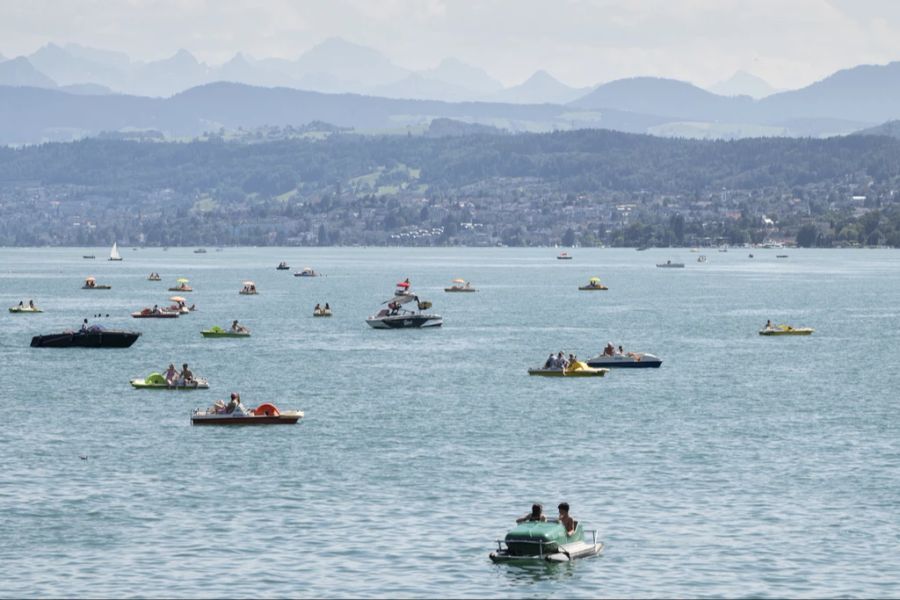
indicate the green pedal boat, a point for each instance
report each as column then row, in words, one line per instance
column 155, row 381
column 218, row 332
column 547, row 541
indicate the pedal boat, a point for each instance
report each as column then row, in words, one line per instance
column 218, row 332
column 670, row 265
column 264, row 414
column 532, row 541
column 155, row 381
column 564, row 256
column 593, row 285
column 91, row 284
column 629, row 360
column 94, row 337
column 153, row 277
column 182, row 286
column 306, row 272
column 282, row 266
column 25, row 309
column 460, row 285
column 322, row 312
column 249, row 289
column 579, row 369
column 786, row 330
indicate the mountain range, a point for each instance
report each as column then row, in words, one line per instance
column 71, row 91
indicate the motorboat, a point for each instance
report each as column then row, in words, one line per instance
column 95, row 336
column 218, row 332
column 28, row 309
column 90, row 283
column 786, row 330
column 156, row 381
column 545, row 541
column 320, row 311
column 628, row 360
column 156, row 313
column 576, row 369
column 460, row 285
column 593, row 285
column 182, row 285
column 249, row 289
column 563, row 256
column 282, row 266
column 395, row 316
column 670, row 265
column 307, row 272
column 264, row 414
column 154, row 277
column 114, row 253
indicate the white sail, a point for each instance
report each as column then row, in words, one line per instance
column 114, row 253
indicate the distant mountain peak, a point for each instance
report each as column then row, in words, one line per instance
column 743, row 83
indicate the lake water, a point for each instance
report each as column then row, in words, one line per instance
column 746, row 465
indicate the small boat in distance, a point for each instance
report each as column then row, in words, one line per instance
column 282, row 266
column 592, row 285
column 29, row 308
column 786, row 330
column 249, row 289
column 781, row 256
column 154, row 277
column 307, row 272
column 90, row 283
column 670, row 265
column 156, row 381
column 156, row 313
column 576, row 369
column 460, row 285
column 322, row 311
column 182, row 285
column 200, row 251
column 218, row 332
column 701, row 258
column 89, row 256
column 563, row 256
column 114, row 253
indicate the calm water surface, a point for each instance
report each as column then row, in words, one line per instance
column 744, row 466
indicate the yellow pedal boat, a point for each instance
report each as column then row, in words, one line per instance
column 786, row 330
column 579, row 369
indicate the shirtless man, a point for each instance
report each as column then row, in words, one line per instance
column 186, row 376
column 564, row 518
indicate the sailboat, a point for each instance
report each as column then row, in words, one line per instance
column 114, row 253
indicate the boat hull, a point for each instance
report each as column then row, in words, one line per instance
column 141, row 384
column 160, row 315
column 26, row 310
column 593, row 288
column 288, row 418
column 800, row 331
column 224, row 334
column 565, row 553
column 453, row 289
column 418, row 321
column 96, row 287
column 646, row 361
column 99, row 339
column 592, row 372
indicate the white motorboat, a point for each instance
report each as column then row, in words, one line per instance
column 395, row 316
column 628, row 360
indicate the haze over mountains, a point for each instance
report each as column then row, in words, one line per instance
column 71, row 91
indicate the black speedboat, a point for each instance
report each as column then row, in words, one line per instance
column 93, row 337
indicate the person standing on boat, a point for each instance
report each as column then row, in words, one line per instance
column 564, row 518
column 536, row 514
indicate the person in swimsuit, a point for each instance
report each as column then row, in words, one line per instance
column 564, row 518
column 536, row 514
column 171, row 375
column 186, row 376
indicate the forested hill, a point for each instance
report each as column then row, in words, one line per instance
column 579, row 161
column 585, row 187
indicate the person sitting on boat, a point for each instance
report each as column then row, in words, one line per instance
column 769, row 324
column 21, row 304
column 193, row 307
column 327, row 307
column 317, row 309
column 620, row 350
column 187, row 377
column 551, row 362
column 171, row 375
column 234, row 403
column 155, row 309
column 571, row 360
column 609, row 350
column 536, row 514
column 561, row 362
column 564, row 518
column 394, row 307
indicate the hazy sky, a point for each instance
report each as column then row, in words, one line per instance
column 582, row 42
